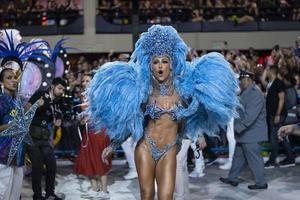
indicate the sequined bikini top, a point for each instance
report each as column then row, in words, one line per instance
column 155, row 111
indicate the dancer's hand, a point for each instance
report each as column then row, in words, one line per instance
column 201, row 142
column 105, row 154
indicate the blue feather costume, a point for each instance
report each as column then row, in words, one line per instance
column 118, row 89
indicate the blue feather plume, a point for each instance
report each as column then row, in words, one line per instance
column 58, row 47
column 21, row 51
column 114, row 100
column 214, row 87
column 56, row 50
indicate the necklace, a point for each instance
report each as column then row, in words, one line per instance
column 165, row 88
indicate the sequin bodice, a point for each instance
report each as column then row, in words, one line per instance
column 155, row 111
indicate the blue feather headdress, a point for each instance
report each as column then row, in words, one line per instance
column 51, row 54
column 159, row 41
column 19, row 53
column 59, row 48
column 59, row 56
column 44, row 66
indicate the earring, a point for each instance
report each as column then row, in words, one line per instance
column 2, row 89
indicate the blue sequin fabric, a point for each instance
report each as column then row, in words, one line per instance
column 156, row 152
column 159, row 41
column 12, row 139
column 163, row 89
column 155, row 111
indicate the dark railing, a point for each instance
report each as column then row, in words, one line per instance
column 211, row 19
column 175, row 15
column 102, row 26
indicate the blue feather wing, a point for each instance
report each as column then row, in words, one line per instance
column 114, row 100
column 214, row 87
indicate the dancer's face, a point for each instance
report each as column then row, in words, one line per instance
column 161, row 68
column 9, row 81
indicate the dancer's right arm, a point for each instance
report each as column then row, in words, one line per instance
column 114, row 144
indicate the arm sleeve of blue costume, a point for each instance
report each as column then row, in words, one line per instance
column 114, row 101
column 214, row 88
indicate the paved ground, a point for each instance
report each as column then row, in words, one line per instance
column 284, row 184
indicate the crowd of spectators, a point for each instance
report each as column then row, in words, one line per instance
column 62, row 12
column 166, row 11
column 39, row 12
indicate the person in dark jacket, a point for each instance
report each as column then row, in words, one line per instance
column 276, row 114
column 41, row 152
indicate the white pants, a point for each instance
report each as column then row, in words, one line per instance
column 11, row 179
column 199, row 159
column 182, row 176
column 129, row 147
column 231, row 139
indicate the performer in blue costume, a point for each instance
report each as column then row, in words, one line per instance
column 158, row 97
column 14, row 121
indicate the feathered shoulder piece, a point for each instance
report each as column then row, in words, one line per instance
column 114, row 100
column 213, row 86
column 43, row 66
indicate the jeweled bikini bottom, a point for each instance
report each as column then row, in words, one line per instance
column 156, row 152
